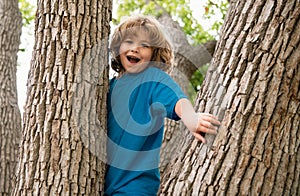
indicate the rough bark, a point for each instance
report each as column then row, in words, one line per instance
column 10, row 118
column 63, row 144
column 252, row 86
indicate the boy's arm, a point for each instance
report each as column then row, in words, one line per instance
column 197, row 123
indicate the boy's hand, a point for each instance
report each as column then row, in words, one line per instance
column 197, row 123
column 205, row 123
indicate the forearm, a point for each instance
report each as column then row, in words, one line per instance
column 186, row 112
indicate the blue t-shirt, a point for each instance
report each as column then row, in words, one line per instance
column 137, row 106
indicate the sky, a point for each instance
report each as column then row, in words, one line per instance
column 27, row 42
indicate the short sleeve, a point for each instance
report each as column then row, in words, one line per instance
column 167, row 92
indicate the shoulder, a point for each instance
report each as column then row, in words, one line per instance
column 156, row 70
column 156, row 74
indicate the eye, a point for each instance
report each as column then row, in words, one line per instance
column 145, row 45
column 128, row 41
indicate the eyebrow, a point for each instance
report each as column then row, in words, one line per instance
column 133, row 37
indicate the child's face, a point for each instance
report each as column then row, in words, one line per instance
column 135, row 52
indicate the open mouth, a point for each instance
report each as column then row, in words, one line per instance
column 133, row 59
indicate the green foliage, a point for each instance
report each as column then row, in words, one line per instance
column 218, row 8
column 182, row 13
column 27, row 10
column 198, row 77
column 196, row 81
column 179, row 10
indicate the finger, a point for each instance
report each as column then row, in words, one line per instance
column 215, row 121
column 199, row 137
column 203, row 129
column 207, row 127
column 205, row 123
column 211, row 118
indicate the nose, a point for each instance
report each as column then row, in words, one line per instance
column 134, row 48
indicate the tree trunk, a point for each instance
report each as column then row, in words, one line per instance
column 10, row 118
column 253, row 86
column 63, row 144
column 187, row 59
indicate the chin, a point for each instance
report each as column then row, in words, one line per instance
column 137, row 70
column 134, row 70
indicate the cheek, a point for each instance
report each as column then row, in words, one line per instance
column 150, row 54
column 122, row 58
column 122, row 49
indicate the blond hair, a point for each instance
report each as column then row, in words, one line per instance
column 162, row 51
